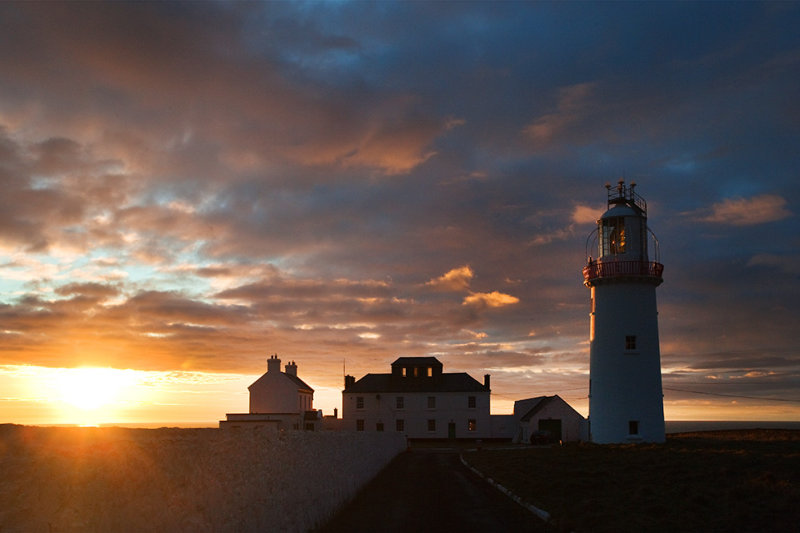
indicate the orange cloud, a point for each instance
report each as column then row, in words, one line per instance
column 584, row 214
column 749, row 211
column 490, row 299
column 455, row 280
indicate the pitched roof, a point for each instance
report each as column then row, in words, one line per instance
column 421, row 361
column 537, row 404
column 301, row 385
column 450, row 382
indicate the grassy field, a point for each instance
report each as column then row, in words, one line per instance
column 706, row 481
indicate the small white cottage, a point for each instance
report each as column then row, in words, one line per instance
column 279, row 400
column 550, row 418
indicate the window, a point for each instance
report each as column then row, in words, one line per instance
column 359, row 402
column 416, row 371
column 400, row 402
column 633, row 427
column 430, row 371
column 630, row 342
column 431, row 402
column 379, row 426
column 400, row 424
column 309, row 426
column 360, row 425
column 404, row 372
column 472, row 424
column 431, row 424
column 471, row 402
column 613, row 238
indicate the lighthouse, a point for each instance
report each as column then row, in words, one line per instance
column 625, row 395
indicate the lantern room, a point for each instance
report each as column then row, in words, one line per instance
column 622, row 239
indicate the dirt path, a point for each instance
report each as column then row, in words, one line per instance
column 428, row 491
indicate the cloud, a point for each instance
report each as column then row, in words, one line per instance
column 583, row 214
column 456, row 279
column 748, row 211
column 572, row 105
column 490, row 299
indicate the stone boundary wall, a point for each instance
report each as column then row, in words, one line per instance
column 116, row 479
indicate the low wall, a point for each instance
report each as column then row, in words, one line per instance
column 113, row 479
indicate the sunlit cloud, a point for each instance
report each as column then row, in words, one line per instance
column 583, row 214
column 490, row 299
column 457, row 279
column 748, row 211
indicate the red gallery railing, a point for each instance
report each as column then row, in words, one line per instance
column 620, row 269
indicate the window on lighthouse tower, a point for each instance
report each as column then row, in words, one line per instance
column 613, row 241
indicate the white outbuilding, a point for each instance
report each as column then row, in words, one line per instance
column 548, row 419
column 278, row 400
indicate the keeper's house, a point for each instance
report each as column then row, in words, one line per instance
column 419, row 400
column 278, row 400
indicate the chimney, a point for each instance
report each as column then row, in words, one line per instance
column 349, row 381
column 335, row 413
column 291, row 369
column 486, row 381
column 273, row 364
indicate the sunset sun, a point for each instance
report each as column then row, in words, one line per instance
column 92, row 390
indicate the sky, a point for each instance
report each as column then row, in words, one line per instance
column 188, row 188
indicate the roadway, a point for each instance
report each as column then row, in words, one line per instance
column 429, row 490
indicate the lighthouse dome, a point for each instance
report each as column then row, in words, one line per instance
column 622, row 210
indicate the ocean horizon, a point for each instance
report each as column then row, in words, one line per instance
column 672, row 426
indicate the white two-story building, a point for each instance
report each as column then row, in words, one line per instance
column 278, row 400
column 419, row 400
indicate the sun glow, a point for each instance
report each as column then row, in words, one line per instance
column 90, row 395
column 92, row 388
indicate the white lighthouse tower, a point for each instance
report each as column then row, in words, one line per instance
column 625, row 396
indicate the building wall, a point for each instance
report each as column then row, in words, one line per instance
column 573, row 427
column 450, row 407
column 276, row 393
column 625, row 385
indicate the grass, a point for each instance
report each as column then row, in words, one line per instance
column 706, row 481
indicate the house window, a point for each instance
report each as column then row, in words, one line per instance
column 400, row 424
column 630, row 342
column 430, row 371
column 471, row 402
column 431, row 402
column 309, row 426
column 379, row 426
column 633, row 427
column 416, row 371
column 359, row 424
column 472, row 424
column 404, row 372
column 400, row 402
column 431, row 424
column 359, row 402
